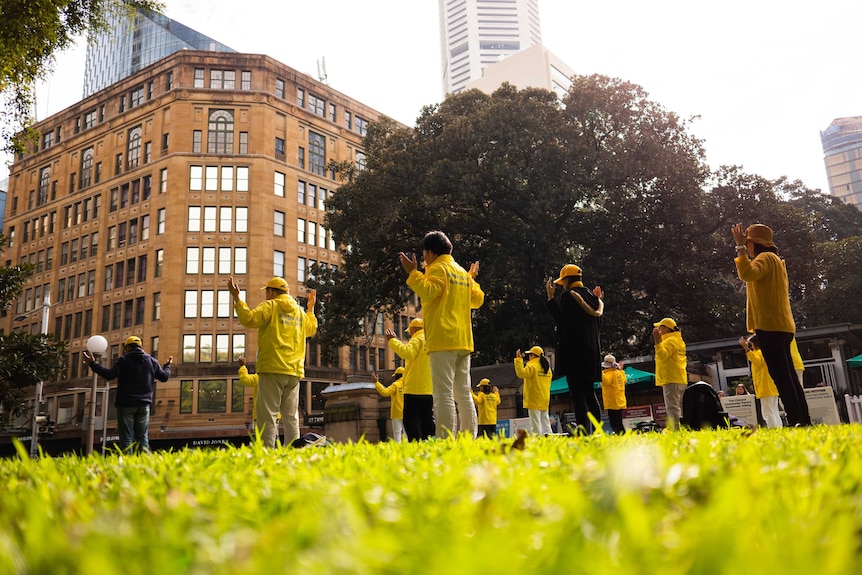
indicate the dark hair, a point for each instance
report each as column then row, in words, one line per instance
column 437, row 243
column 486, row 388
column 546, row 365
column 759, row 249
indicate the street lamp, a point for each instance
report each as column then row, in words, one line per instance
column 34, row 437
column 96, row 345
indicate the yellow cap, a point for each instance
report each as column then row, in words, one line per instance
column 276, row 283
column 569, row 270
column 483, row 381
column 415, row 323
column 133, row 340
column 536, row 350
column 667, row 322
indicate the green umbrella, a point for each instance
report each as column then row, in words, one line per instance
column 633, row 375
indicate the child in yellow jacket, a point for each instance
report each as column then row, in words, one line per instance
column 614, row 392
column 487, row 401
column 248, row 380
column 395, row 390
column 537, row 376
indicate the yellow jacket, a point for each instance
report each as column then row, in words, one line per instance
column 763, row 384
column 448, row 293
column 283, row 327
column 767, row 302
column 797, row 357
column 537, row 385
column 396, row 392
column 417, row 366
column 486, row 404
column 670, row 360
column 249, row 380
column 614, row 388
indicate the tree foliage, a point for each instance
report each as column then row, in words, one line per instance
column 32, row 34
column 606, row 178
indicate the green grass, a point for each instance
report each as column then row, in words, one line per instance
column 776, row 501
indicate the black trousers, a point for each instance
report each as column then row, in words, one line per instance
column 419, row 416
column 775, row 346
column 584, row 398
column 616, row 418
column 489, row 430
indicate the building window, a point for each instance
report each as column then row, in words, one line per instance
column 190, row 306
column 300, row 157
column 163, row 180
column 242, row 179
column 300, row 97
column 224, row 261
column 223, row 305
column 311, row 196
column 278, row 263
column 316, row 104
column 279, row 224
column 279, row 148
column 44, row 182
column 159, row 263
column 90, row 119
column 243, row 142
column 207, row 303
column 223, row 79
column 199, row 77
column 316, row 153
column 279, row 184
column 220, row 135
column 136, row 97
column 332, row 115
column 166, row 139
column 300, row 269
column 361, row 162
column 187, row 386
column 197, row 140
column 134, row 149
column 227, row 178
column 208, row 261
column 300, row 230
column 210, row 218
column 169, row 81
column 225, row 219
column 300, row 191
column 193, row 260
column 279, row 88
column 194, row 219
column 240, row 261
column 86, row 168
column 196, row 178
column 212, row 393
column 211, row 178
column 348, row 120
column 160, row 221
column 245, row 82
column 361, row 125
column 189, row 348
column 148, row 152
column 241, row 220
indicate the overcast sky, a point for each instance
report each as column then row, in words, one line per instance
column 765, row 77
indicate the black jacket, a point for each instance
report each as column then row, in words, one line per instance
column 135, row 372
column 578, row 315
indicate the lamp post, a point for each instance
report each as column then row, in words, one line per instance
column 96, row 345
column 43, row 329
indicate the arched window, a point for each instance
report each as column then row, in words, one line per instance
column 86, row 168
column 134, row 155
column 220, row 134
column 44, row 181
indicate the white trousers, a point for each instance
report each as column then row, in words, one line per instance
column 672, row 393
column 769, row 410
column 397, row 430
column 540, row 422
column 450, row 381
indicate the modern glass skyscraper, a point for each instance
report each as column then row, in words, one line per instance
column 130, row 45
column 477, row 33
column 842, row 153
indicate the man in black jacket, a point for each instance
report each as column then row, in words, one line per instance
column 135, row 372
column 578, row 315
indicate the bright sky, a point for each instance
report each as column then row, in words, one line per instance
column 765, row 76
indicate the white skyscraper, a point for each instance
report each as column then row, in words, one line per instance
column 477, row 33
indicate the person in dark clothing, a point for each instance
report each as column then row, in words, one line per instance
column 135, row 372
column 578, row 315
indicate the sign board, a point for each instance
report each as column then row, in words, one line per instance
column 821, row 405
column 659, row 413
column 636, row 414
column 518, row 423
column 742, row 407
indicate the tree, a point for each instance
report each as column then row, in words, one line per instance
column 25, row 359
column 523, row 185
column 32, row 33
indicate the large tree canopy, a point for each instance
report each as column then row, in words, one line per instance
column 32, row 33
column 525, row 183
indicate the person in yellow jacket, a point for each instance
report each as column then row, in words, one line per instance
column 764, row 388
column 448, row 294
column 418, row 401
column 614, row 392
column 536, row 373
column 670, row 367
column 768, row 314
column 798, row 364
column 247, row 379
column 394, row 390
column 283, row 326
column 487, row 401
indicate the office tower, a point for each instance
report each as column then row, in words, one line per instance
column 842, row 153
column 131, row 44
column 477, row 33
column 141, row 200
column 535, row 67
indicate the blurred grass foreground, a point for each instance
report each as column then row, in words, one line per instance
column 775, row 501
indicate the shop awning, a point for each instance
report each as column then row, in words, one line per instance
column 853, row 362
column 633, row 375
